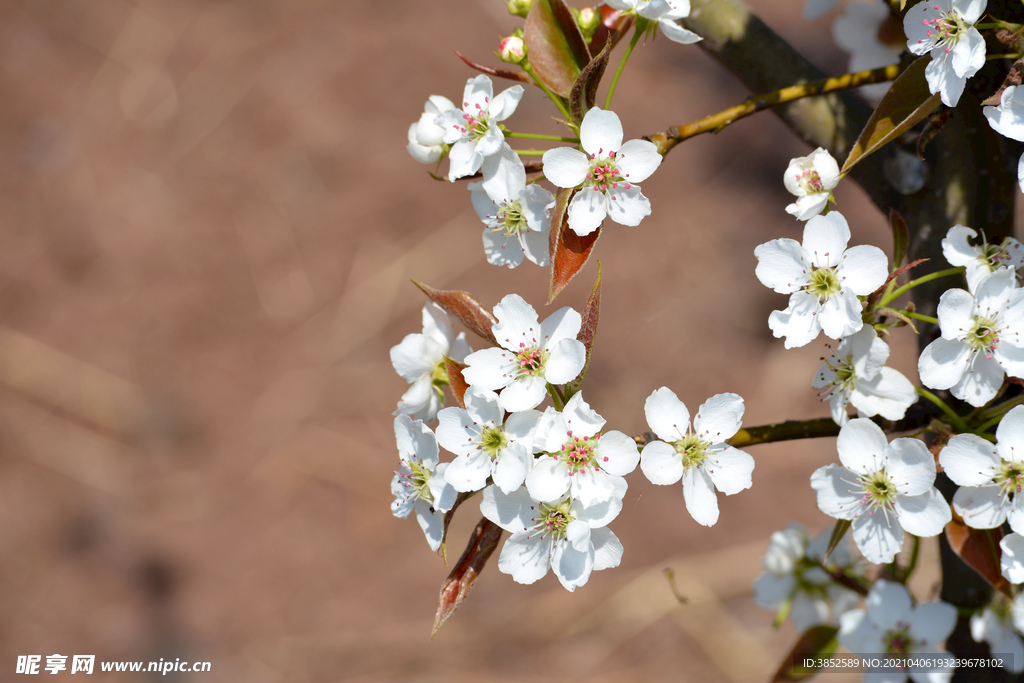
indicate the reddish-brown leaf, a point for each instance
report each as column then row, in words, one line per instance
column 569, row 251
column 613, row 25
column 588, row 331
column 907, row 102
column 979, row 548
column 900, row 237
column 464, row 308
column 520, row 76
column 455, row 379
column 817, row 642
column 584, row 90
column 557, row 49
column 877, row 294
column 455, row 588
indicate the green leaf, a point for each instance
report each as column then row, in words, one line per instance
column 482, row 544
column 817, row 642
column 838, row 532
column 591, row 315
column 907, row 102
column 569, row 251
column 464, row 308
column 584, row 90
column 556, row 47
column 900, row 237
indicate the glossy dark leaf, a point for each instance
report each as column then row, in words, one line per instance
column 841, row 527
column 907, row 102
column 455, row 379
column 455, row 588
column 900, row 237
column 511, row 75
column 588, row 331
column 979, row 548
column 584, row 90
column 556, row 47
column 569, row 251
column 817, row 642
column 464, row 308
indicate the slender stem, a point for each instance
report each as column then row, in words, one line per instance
column 622, row 62
column 1010, row 55
column 921, row 316
column 539, row 136
column 997, row 412
column 892, row 296
column 556, row 397
column 530, row 152
column 558, row 100
column 716, row 122
column 955, row 419
column 785, row 431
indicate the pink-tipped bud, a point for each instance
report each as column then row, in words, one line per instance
column 513, row 50
column 588, row 20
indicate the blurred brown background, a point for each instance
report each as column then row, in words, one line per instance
column 208, row 224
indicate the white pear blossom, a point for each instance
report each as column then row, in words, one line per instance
column 419, row 484
column 608, row 173
column 1008, row 119
column 531, row 354
column 892, row 627
column 698, row 455
column 1011, row 561
column 426, row 138
column 995, row 625
column 873, row 37
column 945, row 28
column 855, row 373
column 823, row 277
column 563, row 535
column 576, row 458
column 793, row 574
column 981, row 339
column 516, row 214
column 485, row 447
column 982, row 259
column 419, row 359
column 990, row 476
column 473, row 131
column 883, row 488
column 665, row 12
column 812, row 179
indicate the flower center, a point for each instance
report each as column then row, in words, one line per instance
column 984, row 336
column 824, row 283
column 553, row 518
column 415, row 480
column 946, row 29
column 879, row 490
column 510, row 219
column 995, row 255
column 578, row 453
column 845, row 374
column 693, row 450
column 810, row 182
column 1010, row 479
column 898, row 641
column 604, row 172
column 492, row 440
column 531, row 360
column 476, row 124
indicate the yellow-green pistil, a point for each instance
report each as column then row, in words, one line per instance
column 824, row 283
column 984, row 336
column 1010, row 479
column 578, row 453
column 693, row 450
column 510, row 219
column 492, row 440
column 415, row 481
column 879, row 489
column 553, row 518
column 531, row 360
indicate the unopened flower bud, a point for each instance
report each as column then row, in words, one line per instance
column 588, row 19
column 513, row 50
column 519, row 8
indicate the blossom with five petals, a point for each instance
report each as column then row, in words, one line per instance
column 473, row 131
column 698, row 455
column 982, row 339
column 665, row 12
column 945, row 28
column 982, row 259
column 812, row 179
column 419, row 484
column 419, row 359
column 883, row 488
column 515, row 213
column 607, row 171
column 532, row 354
column 563, row 535
column 824, row 278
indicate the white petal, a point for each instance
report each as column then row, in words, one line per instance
column 548, row 479
column 677, row 33
column 463, row 160
column 825, row 239
column 565, row 167
column 504, row 105
column 522, row 426
column 586, row 211
column 1012, row 560
column 490, row 369
column 943, row 363
column 730, row 469
column 578, row 534
column 942, row 79
column 979, row 385
column 637, row 160
column 807, row 611
column 837, row 497
column 924, row 515
column 580, row 418
column 840, row 315
column 879, row 536
column 719, row 418
column 1008, row 120
column 782, row 265
column 1010, row 358
column 888, row 604
column 525, row 557
column 808, row 206
column 626, row 205
column 981, row 507
column 667, row 415
column 699, row 495
column 970, row 460
column 617, row 453
column 661, row 464
column 502, row 249
column 504, row 175
column 607, row 549
column 513, row 511
column 517, row 324
column 601, row 132
column 911, row 466
column 456, row 431
column 572, row 566
column 535, row 247
column 564, row 323
column 862, row 446
column 956, row 246
column 969, row 54
column 956, row 313
column 421, row 401
column 888, row 394
column 468, row 472
column 799, row 322
column 523, row 393
column 933, row 622
column 771, row 590
column 601, row 512
column 432, row 523
column 1010, row 434
column 415, row 356
column 510, row 469
column 864, row 269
